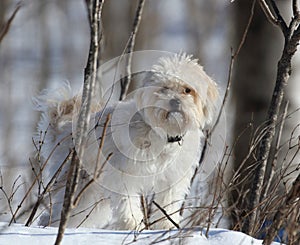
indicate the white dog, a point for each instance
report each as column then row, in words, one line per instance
column 152, row 145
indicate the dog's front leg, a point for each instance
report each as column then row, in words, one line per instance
column 126, row 214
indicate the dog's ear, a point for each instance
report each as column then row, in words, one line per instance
column 210, row 105
column 142, row 79
column 138, row 80
column 56, row 105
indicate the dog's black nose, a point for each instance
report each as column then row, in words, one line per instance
column 175, row 104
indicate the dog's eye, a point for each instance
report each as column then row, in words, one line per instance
column 164, row 90
column 187, row 90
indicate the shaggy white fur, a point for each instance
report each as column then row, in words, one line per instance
column 153, row 140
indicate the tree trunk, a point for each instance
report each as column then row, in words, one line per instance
column 252, row 89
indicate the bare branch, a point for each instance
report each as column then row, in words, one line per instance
column 94, row 10
column 296, row 8
column 268, row 12
column 130, row 46
column 166, row 214
column 78, row 197
column 283, row 211
column 282, row 77
column 36, row 179
column 46, row 189
column 268, row 180
column 281, row 22
column 231, row 65
column 145, row 211
column 276, row 18
column 4, row 29
column 96, row 172
column 244, row 34
column 8, row 199
column 89, row 213
column 70, row 189
column 234, row 55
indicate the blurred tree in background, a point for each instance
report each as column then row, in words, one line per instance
column 253, row 83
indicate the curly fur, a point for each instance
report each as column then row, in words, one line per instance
column 155, row 141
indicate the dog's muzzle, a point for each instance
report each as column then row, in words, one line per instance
column 175, row 110
column 175, row 104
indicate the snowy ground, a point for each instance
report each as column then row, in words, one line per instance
column 18, row 234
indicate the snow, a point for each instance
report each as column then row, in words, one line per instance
column 19, row 234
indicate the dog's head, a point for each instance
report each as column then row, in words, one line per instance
column 178, row 96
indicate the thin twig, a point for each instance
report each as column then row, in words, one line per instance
column 97, row 170
column 238, row 50
column 269, row 179
column 36, row 179
column 40, row 182
column 234, row 55
column 91, row 181
column 89, row 213
column 276, row 19
column 216, row 198
column 100, row 148
column 125, row 82
column 145, row 211
column 46, row 189
column 6, row 196
column 4, row 29
column 282, row 212
column 265, row 7
column 13, row 189
column 281, row 22
column 166, row 214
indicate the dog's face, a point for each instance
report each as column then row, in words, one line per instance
column 173, row 107
column 177, row 97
